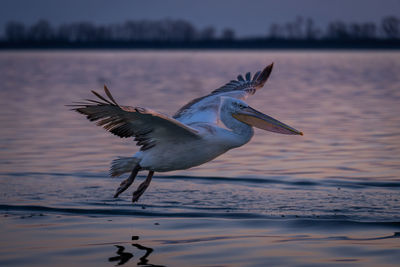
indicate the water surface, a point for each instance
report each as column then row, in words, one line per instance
column 330, row 196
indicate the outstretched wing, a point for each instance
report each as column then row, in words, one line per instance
column 147, row 126
column 205, row 109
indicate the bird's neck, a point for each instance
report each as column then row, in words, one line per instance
column 241, row 132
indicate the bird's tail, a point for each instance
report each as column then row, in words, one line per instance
column 122, row 165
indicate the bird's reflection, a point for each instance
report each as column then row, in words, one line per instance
column 123, row 256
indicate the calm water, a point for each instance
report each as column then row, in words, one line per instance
column 329, row 197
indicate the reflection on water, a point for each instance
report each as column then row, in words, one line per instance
column 124, row 256
column 100, row 241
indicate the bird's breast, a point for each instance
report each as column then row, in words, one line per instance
column 179, row 156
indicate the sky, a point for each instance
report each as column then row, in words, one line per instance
column 247, row 18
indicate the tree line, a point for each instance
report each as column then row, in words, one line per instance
column 300, row 30
column 142, row 30
column 306, row 29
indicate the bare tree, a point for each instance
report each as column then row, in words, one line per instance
column 337, row 30
column 290, row 30
column 298, row 28
column 41, row 31
column 228, row 34
column 275, row 31
column 391, row 27
column 207, row 33
column 311, row 32
column 15, row 31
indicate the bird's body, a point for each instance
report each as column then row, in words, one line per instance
column 216, row 141
column 200, row 131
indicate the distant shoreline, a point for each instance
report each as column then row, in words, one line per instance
column 194, row 46
column 302, row 33
column 244, row 44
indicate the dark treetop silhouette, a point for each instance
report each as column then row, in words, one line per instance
column 167, row 33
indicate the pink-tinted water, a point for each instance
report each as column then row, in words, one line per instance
column 347, row 104
column 331, row 196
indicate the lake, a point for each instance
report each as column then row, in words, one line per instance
column 330, row 197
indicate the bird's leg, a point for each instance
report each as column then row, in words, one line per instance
column 126, row 183
column 142, row 187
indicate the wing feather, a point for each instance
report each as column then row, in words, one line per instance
column 147, row 126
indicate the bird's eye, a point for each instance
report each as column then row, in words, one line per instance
column 241, row 106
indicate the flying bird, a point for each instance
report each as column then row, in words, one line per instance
column 199, row 131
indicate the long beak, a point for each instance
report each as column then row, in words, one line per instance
column 257, row 119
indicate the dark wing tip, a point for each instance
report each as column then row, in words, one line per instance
column 107, row 91
column 110, row 100
column 264, row 75
column 240, row 78
column 101, row 97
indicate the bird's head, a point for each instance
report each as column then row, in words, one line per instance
column 242, row 112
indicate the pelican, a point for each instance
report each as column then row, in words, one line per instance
column 199, row 131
